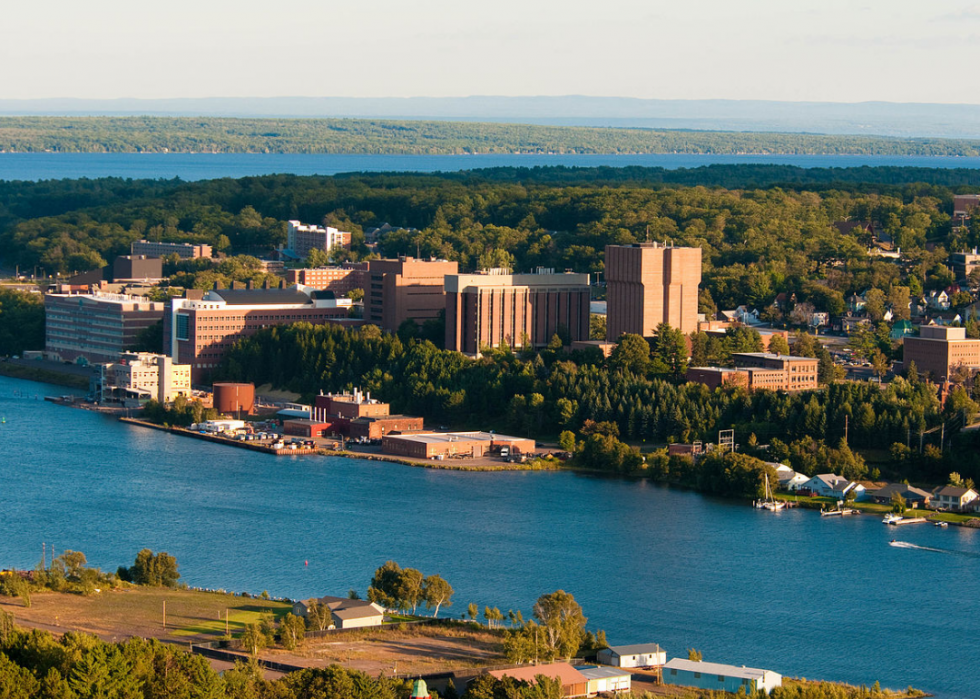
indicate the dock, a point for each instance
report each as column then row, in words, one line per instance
column 838, row 513
column 909, row 520
column 264, row 448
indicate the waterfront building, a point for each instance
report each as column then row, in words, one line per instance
column 433, row 445
column 573, row 682
column 346, row 613
column 182, row 250
column 199, row 328
column 96, row 327
column 938, row 351
column 719, row 677
column 142, row 376
column 405, row 289
column 830, row 485
column 301, row 238
column 497, row 308
column 648, row 284
column 357, row 416
column 778, row 372
column 914, row 497
column 606, row 680
column 951, row 497
column 636, row 655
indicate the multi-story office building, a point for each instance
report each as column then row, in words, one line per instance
column 963, row 206
column 301, row 238
column 198, row 331
column 496, row 307
column 137, row 268
column 339, row 280
column 183, row 250
column 96, row 327
column 938, row 351
column 405, row 289
column 648, row 284
column 965, row 262
column 142, row 376
column 778, row 372
column 357, row 415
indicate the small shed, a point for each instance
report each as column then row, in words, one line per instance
column 606, row 680
column 637, row 655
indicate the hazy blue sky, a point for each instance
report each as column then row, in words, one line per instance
column 828, row 50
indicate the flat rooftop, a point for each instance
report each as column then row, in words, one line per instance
column 446, row 437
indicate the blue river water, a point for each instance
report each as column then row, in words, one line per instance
column 202, row 166
column 792, row 592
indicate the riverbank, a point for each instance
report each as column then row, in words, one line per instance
column 30, row 370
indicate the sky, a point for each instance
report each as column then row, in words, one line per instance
column 797, row 50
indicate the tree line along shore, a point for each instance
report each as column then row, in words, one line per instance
column 146, row 134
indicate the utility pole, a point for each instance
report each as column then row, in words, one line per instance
column 44, row 557
column 164, row 613
column 845, row 428
column 227, row 628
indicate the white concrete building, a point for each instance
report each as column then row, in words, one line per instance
column 606, row 680
column 301, row 238
column 637, row 655
column 142, row 376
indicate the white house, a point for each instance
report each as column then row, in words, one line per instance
column 637, row 655
column 603, row 680
column 949, row 497
column 788, row 478
column 346, row 613
column 831, row 485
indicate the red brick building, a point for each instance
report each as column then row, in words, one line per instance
column 648, row 284
column 198, row 331
column 405, row 289
column 494, row 308
column 339, row 280
column 357, row 415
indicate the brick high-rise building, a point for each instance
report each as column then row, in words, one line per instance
column 489, row 309
column 339, row 280
column 648, row 284
column 97, row 327
column 157, row 249
column 937, row 351
column 405, row 289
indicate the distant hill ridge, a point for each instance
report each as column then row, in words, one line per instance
column 867, row 118
column 376, row 136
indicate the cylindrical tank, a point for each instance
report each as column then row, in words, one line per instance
column 230, row 398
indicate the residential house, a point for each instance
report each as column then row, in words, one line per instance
column 637, row 655
column 951, row 497
column 831, row 485
column 819, row 319
column 606, row 680
column 901, row 329
column 788, row 478
column 938, row 300
column 718, row 677
column 856, row 302
column 914, row 497
column 347, row 613
column 573, row 682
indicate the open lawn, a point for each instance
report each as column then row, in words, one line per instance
column 119, row 614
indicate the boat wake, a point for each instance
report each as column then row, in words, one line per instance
column 907, row 545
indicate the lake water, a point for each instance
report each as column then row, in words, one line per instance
column 199, row 166
column 792, row 592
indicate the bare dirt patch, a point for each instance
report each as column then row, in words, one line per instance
column 417, row 650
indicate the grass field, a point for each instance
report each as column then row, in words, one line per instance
column 120, row 614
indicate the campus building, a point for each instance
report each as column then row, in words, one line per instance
column 441, row 445
column 95, row 327
column 141, row 376
column 405, row 289
column 301, row 238
column 339, row 280
column 964, row 263
column 496, row 307
column 182, row 250
column 777, row 372
column 963, row 205
column 359, row 416
column 938, row 351
column 137, row 268
column 201, row 327
column 648, row 284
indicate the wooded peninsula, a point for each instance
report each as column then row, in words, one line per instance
column 145, row 134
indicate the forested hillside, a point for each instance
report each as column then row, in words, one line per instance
column 757, row 241
column 230, row 135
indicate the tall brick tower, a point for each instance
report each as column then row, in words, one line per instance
column 648, row 284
